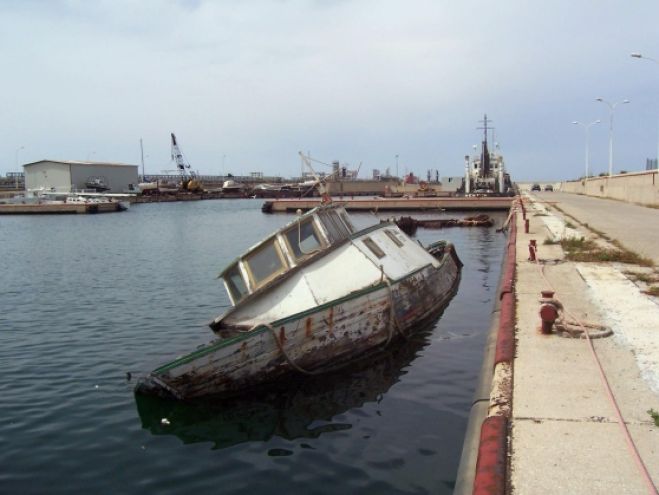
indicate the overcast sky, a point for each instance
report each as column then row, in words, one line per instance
column 247, row 84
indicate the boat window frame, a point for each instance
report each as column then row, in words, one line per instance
column 226, row 278
column 343, row 215
column 284, row 265
column 373, row 247
column 333, row 225
column 296, row 227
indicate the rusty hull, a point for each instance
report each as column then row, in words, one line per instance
column 321, row 339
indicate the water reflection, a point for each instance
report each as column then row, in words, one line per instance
column 302, row 407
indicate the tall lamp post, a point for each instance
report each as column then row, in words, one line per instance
column 396, row 166
column 612, row 107
column 586, row 128
column 638, row 55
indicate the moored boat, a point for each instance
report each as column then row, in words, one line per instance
column 314, row 296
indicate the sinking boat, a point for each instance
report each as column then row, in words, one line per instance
column 289, row 409
column 314, row 296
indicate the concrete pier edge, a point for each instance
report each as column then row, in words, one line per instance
column 483, row 463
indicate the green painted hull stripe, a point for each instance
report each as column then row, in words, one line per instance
column 210, row 348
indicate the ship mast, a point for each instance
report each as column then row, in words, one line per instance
column 485, row 153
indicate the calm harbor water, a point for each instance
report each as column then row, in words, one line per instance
column 86, row 299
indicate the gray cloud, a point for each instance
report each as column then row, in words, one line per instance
column 356, row 81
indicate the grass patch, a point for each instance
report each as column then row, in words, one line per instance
column 588, row 251
column 648, row 278
column 655, row 416
column 550, row 242
column 570, row 224
column 653, row 291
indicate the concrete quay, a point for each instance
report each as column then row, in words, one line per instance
column 563, row 433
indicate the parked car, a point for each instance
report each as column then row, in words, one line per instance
column 536, row 187
column 549, row 187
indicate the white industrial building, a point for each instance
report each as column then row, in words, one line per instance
column 72, row 175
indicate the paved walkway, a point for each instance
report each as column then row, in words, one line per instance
column 565, row 437
column 636, row 227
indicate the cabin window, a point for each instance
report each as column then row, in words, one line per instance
column 235, row 282
column 303, row 239
column 336, row 229
column 346, row 220
column 265, row 262
column 375, row 249
column 393, row 237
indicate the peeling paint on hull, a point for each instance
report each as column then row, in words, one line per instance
column 328, row 338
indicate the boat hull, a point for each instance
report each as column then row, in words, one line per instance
column 323, row 338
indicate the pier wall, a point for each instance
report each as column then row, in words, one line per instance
column 639, row 187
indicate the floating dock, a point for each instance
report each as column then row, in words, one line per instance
column 394, row 204
column 57, row 208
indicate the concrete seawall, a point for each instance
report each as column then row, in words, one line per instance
column 638, row 187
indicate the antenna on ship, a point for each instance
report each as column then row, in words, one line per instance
column 486, row 128
column 485, row 153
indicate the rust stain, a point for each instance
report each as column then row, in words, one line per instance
column 330, row 323
column 243, row 350
column 282, row 335
column 307, row 327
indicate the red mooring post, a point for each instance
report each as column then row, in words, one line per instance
column 548, row 311
column 532, row 250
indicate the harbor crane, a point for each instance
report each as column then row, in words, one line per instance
column 189, row 180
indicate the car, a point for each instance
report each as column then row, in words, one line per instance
column 549, row 187
column 536, row 187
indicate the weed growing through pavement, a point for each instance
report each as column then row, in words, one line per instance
column 586, row 250
column 648, row 278
column 655, row 416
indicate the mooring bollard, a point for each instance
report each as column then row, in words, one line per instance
column 526, row 226
column 532, row 250
column 548, row 311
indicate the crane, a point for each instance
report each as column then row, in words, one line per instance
column 189, row 179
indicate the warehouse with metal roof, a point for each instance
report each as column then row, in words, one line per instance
column 73, row 175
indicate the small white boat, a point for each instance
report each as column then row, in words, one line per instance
column 315, row 295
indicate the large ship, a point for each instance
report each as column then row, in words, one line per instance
column 485, row 173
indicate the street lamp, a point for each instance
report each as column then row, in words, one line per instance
column 612, row 107
column 587, row 129
column 16, row 157
column 397, row 166
column 638, row 55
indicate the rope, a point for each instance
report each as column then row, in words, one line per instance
column 652, row 490
column 393, row 321
column 285, row 354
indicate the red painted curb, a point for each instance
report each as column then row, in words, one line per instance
column 491, row 465
column 505, row 349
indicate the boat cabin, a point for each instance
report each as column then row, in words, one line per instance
column 290, row 246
